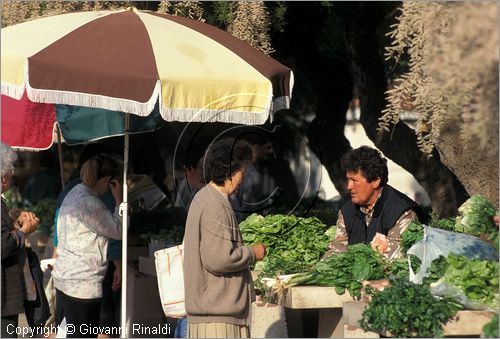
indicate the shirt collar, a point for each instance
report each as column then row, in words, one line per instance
column 368, row 210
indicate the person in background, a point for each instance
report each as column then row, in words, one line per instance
column 17, row 282
column 84, row 227
column 189, row 186
column 193, row 180
column 46, row 182
column 218, row 284
column 258, row 187
column 376, row 213
column 268, row 180
column 110, row 309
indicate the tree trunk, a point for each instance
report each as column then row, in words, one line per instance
column 323, row 85
column 400, row 145
column 477, row 168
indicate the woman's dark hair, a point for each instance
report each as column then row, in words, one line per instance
column 224, row 157
column 367, row 160
column 99, row 166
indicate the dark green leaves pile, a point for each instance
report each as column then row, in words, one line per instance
column 476, row 217
column 293, row 244
column 345, row 270
column 447, row 224
column 478, row 279
column 399, row 267
column 436, row 271
column 490, row 330
column 414, row 233
column 407, row 310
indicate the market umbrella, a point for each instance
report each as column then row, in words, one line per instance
column 129, row 61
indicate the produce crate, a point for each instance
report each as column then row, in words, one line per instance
column 314, row 297
column 328, row 303
column 465, row 323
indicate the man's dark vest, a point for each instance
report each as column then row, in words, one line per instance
column 388, row 208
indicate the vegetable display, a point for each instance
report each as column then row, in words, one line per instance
column 293, row 244
column 478, row 279
column 490, row 330
column 476, row 217
column 345, row 270
column 414, row 233
column 407, row 310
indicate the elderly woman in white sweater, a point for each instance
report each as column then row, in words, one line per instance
column 84, row 228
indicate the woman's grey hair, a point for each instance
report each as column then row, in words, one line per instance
column 8, row 157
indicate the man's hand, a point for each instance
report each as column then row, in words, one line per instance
column 117, row 275
column 379, row 243
column 27, row 222
column 116, row 190
column 259, row 250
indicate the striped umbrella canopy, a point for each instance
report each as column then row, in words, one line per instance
column 74, row 69
column 131, row 61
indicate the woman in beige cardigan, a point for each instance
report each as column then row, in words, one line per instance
column 218, row 284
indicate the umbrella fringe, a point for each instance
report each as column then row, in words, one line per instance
column 94, row 101
column 281, row 103
column 13, row 91
column 205, row 115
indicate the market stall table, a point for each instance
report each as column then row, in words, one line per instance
column 465, row 323
column 328, row 303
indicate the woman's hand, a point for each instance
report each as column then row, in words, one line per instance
column 117, row 275
column 259, row 250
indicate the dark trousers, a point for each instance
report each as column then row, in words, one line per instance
column 110, row 307
column 82, row 315
column 9, row 326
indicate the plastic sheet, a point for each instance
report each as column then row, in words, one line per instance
column 438, row 242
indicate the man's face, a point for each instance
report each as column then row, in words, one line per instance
column 363, row 193
column 262, row 152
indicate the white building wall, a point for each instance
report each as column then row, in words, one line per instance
column 398, row 177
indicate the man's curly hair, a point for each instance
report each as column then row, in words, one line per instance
column 224, row 157
column 367, row 160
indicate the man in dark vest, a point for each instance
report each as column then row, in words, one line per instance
column 376, row 214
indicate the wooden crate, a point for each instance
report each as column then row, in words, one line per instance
column 465, row 323
column 328, row 303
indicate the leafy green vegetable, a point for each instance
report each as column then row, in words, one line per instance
column 490, row 330
column 164, row 223
column 436, row 271
column 293, row 244
column 478, row 279
column 447, row 224
column 45, row 210
column 407, row 310
column 399, row 267
column 330, row 233
column 345, row 270
column 476, row 217
column 414, row 233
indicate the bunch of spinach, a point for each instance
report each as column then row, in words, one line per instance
column 293, row 244
column 478, row 279
column 490, row 330
column 399, row 267
column 345, row 270
column 414, row 233
column 436, row 271
column 407, row 310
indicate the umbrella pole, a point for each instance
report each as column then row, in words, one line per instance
column 124, row 210
column 59, row 150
